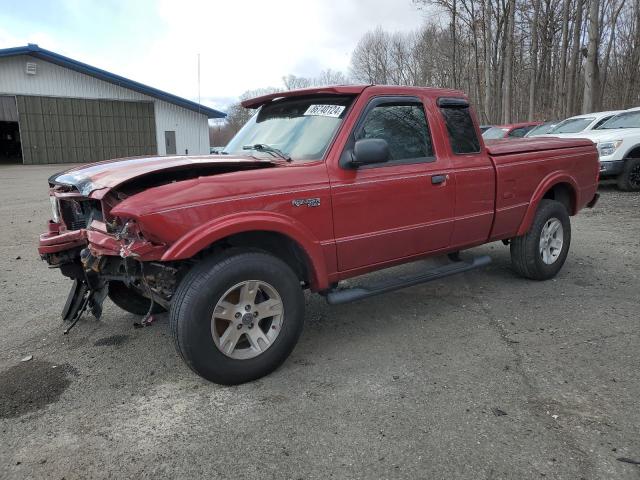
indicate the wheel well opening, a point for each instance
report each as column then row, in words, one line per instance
column 563, row 193
column 277, row 244
column 635, row 153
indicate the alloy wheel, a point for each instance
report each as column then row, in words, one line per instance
column 247, row 319
column 551, row 240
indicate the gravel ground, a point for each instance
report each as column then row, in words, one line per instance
column 483, row 375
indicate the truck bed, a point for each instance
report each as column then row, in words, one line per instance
column 497, row 148
column 527, row 168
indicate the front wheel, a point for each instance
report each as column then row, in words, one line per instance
column 629, row 179
column 236, row 318
column 540, row 253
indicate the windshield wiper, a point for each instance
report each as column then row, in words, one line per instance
column 263, row 147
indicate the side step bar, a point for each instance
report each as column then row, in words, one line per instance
column 338, row 296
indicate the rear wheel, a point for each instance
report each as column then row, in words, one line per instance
column 130, row 300
column 237, row 318
column 541, row 253
column 629, row 179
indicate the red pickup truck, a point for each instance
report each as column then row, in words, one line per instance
column 321, row 185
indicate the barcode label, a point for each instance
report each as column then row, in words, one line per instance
column 325, row 110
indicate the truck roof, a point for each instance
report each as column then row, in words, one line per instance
column 349, row 90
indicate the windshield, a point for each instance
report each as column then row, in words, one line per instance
column 623, row 120
column 300, row 128
column 495, row 132
column 541, row 129
column 573, row 125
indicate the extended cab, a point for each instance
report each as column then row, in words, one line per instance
column 321, row 185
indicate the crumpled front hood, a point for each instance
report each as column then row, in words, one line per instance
column 111, row 173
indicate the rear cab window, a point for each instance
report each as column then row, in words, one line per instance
column 463, row 136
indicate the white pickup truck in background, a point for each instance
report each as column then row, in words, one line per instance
column 618, row 141
column 581, row 124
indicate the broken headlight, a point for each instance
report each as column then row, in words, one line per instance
column 55, row 208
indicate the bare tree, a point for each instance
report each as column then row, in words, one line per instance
column 564, row 51
column 331, row 77
column 516, row 59
column 574, row 65
column 536, row 59
column 508, row 62
column 292, row 82
column 591, row 73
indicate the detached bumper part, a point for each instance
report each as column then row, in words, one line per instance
column 91, row 257
column 82, row 296
column 54, row 240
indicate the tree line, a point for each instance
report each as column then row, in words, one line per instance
column 516, row 59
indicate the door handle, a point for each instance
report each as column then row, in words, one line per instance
column 438, row 179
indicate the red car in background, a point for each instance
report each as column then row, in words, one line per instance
column 514, row 130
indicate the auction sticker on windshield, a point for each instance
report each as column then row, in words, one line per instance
column 325, row 110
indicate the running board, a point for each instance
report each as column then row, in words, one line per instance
column 338, row 296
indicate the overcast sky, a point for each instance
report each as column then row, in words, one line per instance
column 243, row 44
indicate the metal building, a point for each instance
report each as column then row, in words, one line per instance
column 54, row 109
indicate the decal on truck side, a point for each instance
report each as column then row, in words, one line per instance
column 309, row 202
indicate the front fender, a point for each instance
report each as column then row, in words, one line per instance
column 628, row 151
column 206, row 234
column 545, row 185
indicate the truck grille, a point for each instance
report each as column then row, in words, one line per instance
column 77, row 214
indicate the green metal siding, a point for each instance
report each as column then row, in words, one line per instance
column 70, row 130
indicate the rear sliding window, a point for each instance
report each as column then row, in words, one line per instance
column 462, row 133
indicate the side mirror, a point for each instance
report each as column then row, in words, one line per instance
column 370, row 150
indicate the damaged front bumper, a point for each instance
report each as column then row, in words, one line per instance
column 99, row 241
column 94, row 256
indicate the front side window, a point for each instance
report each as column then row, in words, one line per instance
column 601, row 122
column 301, row 128
column 403, row 126
column 623, row 120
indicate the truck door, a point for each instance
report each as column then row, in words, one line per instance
column 473, row 171
column 397, row 209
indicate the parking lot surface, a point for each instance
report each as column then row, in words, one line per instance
column 483, row 375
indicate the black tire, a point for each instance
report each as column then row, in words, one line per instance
column 629, row 179
column 130, row 300
column 525, row 250
column 196, row 298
